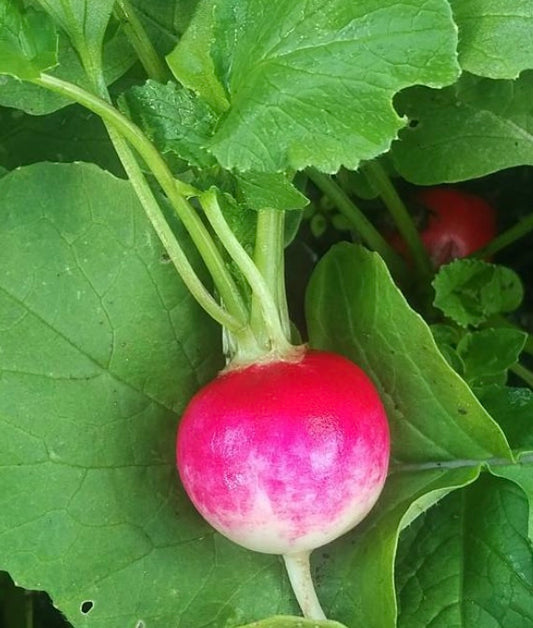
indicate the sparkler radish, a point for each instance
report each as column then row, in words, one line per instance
column 285, row 456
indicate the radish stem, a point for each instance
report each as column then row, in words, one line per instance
column 270, row 325
column 382, row 183
column 299, row 570
column 505, row 238
column 168, row 239
column 269, row 260
column 360, row 222
column 140, row 41
column 243, row 333
column 523, row 373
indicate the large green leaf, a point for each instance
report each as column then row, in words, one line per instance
column 311, row 83
column 495, row 36
column 28, row 41
column 467, row 562
column 441, row 435
column 353, row 307
column 101, row 347
column 477, row 127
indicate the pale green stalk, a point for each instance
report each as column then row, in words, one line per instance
column 269, row 260
column 273, row 328
column 152, row 63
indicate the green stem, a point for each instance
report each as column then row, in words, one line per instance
column 382, row 183
column 269, row 260
column 507, row 237
column 523, row 373
column 299, row 571
column 130, row 131
column 173, row 188
column 360, row 222
column 140, row 41
column 161, row 227
column 271, row 325
column 168, row 239
column 281, row 289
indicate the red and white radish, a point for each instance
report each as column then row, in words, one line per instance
column 285, row 456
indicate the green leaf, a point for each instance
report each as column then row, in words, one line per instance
column 467, row 562
column 512, row 409
column 28, row 41
column 86, row 23
column 174, row 118
column 469, row 291
column 191, row 62
column 487, row 354
column 118, row 57
column 432, row 413
column 283, row 621
column 259, row 190
column 102, row 346
column 495, row 36
column 477, row 127
column 357, row 572
column 312, row 83
column 181, row 123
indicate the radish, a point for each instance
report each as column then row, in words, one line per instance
column 285, row 456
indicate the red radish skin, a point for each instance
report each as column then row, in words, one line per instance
column 460, row 223
column 286, row 456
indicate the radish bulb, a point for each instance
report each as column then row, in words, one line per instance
column 285, row 456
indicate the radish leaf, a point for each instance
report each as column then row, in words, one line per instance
column 311, row 83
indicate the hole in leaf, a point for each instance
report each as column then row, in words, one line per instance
column 140, row 624
column 86, row 607
column 413, row 123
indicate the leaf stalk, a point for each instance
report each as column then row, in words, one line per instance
column 141, row 43
column 390, row 197
column 270, row 324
